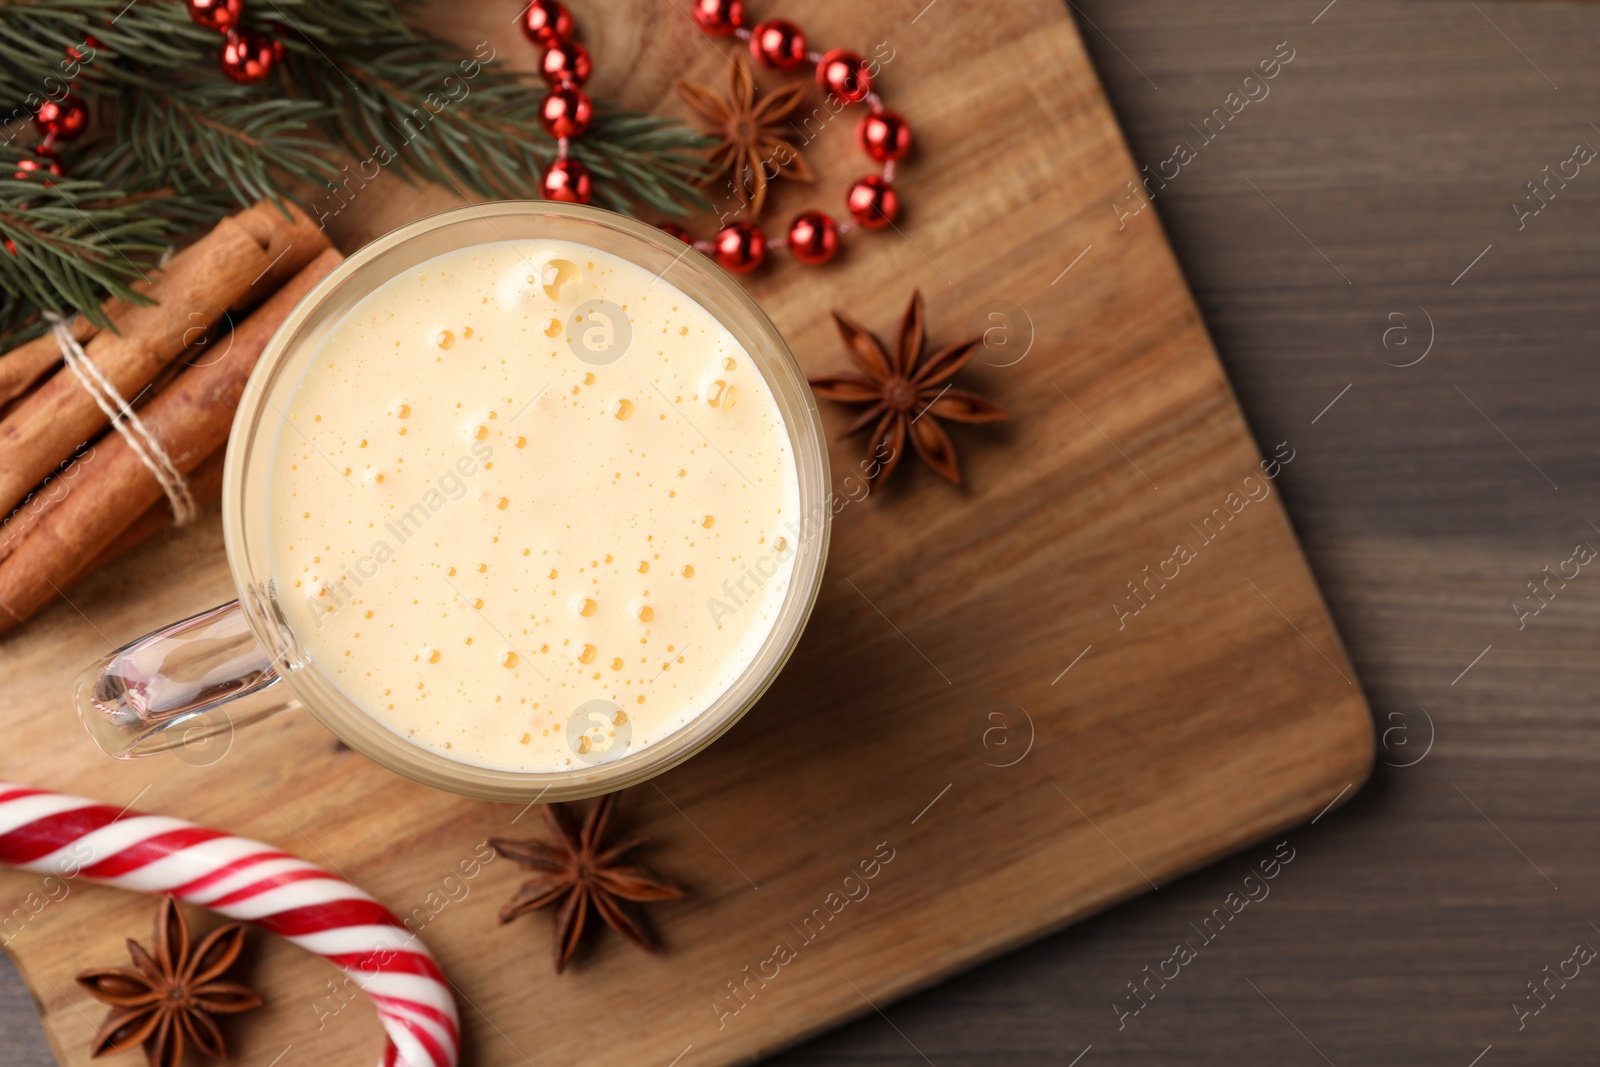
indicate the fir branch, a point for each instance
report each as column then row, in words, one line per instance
column 335, row 24
column 19, row 321
column 70, row 241
column 160, row 36
column 382, row 84
column 36, row 34
column 199, row 132
column 174, row 143
column 466, row 121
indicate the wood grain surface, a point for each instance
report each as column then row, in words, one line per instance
column 1424, row 510
column 1412, row 919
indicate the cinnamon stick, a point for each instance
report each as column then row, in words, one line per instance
column 205, row 485
column 190, row 419
column 290, row 243
column 234, row 263
column 28, row 362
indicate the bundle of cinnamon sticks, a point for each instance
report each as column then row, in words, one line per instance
column 75, row 494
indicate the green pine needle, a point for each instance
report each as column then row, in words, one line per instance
column 175, row 144
column 197, row 133
column 69, row 243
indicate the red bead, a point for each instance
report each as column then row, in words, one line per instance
column 546, row 22
column 718, row 17
column 676, row 231
column 42, row 160
column 813, row 238
column 248, row 56
column 566, row 63
column 219, row 15
column 64, row 119
column 78, row 53
column 844, row 74
column 740, row 247
column 778, row 43
column 567, row 180
column 873, row 202
column 884, row 135
column 566, row 113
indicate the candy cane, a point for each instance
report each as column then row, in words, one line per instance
column 244, row 879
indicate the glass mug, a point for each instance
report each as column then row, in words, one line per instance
column 195, row 681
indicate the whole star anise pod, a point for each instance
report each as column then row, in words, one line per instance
column 578, row 873
column 904, row 394
column 166, row 1002
column 751, row 150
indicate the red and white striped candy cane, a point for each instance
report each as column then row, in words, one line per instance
column 244, row 879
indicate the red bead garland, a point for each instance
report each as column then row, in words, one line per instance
column 740, row 247
column 567, row 180
column 56, row 120
column 567, row 111
column 77, row 55
column 778, row 44
column 218, row 15
column 43, row 159
column 844, row 74
column 247, row 56
column 813, row 238
column 719, row 17
column 565, row 64
column 873, row 202
column 884, row 136
column 62, row 119
column 546, row 22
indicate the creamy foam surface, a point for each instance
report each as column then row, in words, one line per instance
column 509, row 539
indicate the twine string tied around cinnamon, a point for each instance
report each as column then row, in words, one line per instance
column 123, row 419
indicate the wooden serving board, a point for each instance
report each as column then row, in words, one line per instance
column 928, row 714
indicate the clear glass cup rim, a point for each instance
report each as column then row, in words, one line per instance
column 244, row 512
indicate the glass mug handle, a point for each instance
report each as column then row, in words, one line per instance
column 182, row 687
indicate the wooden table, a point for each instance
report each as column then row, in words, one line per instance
column 1383, row 162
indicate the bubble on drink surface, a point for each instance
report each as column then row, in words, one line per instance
column 599, row 731
column 599, row 332
column 533, row 283
column 722, row 395
column 556, row 275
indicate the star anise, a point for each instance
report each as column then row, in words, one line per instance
column 577, row 873
column 904, row 394
column 751, row 150
column 166, row 1002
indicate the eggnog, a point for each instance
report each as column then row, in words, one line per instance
column 533, row 508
